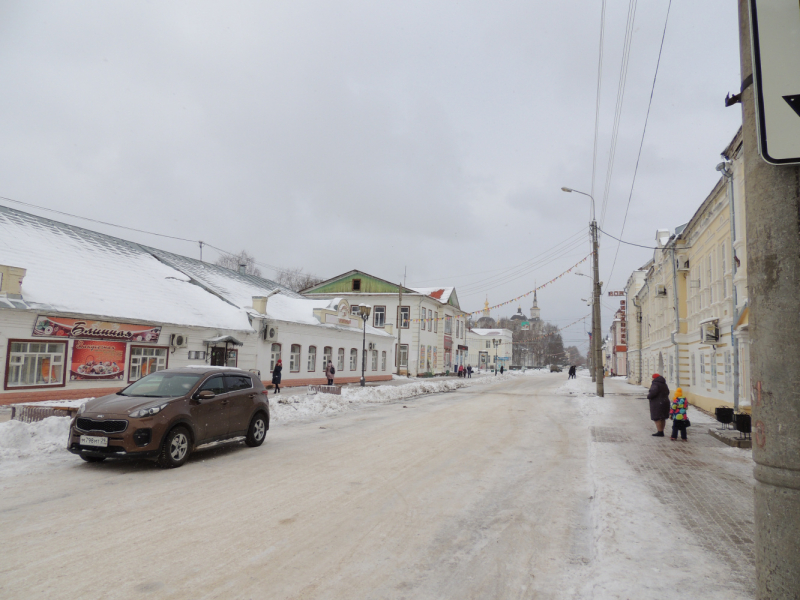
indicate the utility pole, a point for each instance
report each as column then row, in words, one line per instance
column 772, row 205
column 598, row 348
column 400, row 322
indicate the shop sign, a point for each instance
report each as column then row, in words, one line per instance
column 342, row 316
column 448, row 342
column 96, row 330
column 97, row 359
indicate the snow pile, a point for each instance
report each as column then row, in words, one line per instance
column 300, row 407
column 23, row 440
column 582, row 385
column 59, row 403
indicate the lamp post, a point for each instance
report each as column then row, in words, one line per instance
column 590, row 358
column 495, row 343
column 596, row 342
column 364, row 310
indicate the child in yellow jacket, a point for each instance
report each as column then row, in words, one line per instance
column 678, row 413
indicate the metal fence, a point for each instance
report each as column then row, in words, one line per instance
column 29, row 414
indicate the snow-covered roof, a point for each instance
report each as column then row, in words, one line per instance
column 74, row 270
column 490, row 331
column 437, row 293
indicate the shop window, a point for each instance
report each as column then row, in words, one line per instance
column 353, row 359
column 379, row 316
column 294, row 358
column 404, row 316
column 35, row 364
column 312, row 359
column 374, row 360
column 422, row 320
column 274, row 356
column 383, row 360
column 340, row 360
column 327, row 357
column 145, row 360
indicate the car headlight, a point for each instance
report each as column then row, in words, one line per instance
column 82, row 408
column 147, row 412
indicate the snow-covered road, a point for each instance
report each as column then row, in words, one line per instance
column 491, row 491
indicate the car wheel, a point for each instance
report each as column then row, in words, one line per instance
column 257, row 431
column 175, row 449
column 92, row 459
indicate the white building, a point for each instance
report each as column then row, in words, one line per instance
column 432, row 332
column 489, row 348
column 83, row 313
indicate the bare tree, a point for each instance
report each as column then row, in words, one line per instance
column 574, row 356
column 232, row 261
column 295, row 279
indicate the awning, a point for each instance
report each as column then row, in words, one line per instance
column 711, row 320
column 227, row 339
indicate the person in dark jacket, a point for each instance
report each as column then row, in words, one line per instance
column 659, row 403
column 469, row 371
column 330, row 371
column 276, row 377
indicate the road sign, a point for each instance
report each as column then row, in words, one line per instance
column 775, row 36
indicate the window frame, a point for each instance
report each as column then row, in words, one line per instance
column 353, row 365
column 130, row 360
column 272, row 360
column 383, row 360
column 312, row 351
column 448, row 325
column 398, row 352
column 374, row 360
column 340, row 356
column 355, row 284
column 64, row 365
column 291, row 357
column 436, row 322
column 422, row 318
column 404, row 323
column 327, row 357
column 375, row 313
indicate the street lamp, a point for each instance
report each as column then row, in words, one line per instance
column 495, row 343
column 596, row 342
column 364, row 310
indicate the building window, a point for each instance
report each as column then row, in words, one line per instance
column 35, row 364
column 710, row 280
column 703, row 365
column 374, row 360
column 430, row 320
column 694, row 379
column 430, row 358
column 327, row 356
column 356, row 285
column 422, row 319
column 146, row 360
column 294, row 358
column 714, row 371
column 312, row 359
column 340, row 360
column 401, row 356
column 355, row 311
column 722, row 270
column 436, row 322
column 404, row 316
column 231, row 358
column 353, row 359
column 383, row 360
column 274, row 356
column 728, row 371
column 379, row 318
column 422, row 357
column 448, row 325
column 488, row 345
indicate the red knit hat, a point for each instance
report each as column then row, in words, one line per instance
column 655, row 375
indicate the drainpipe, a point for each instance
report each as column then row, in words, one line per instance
column 639, row 327
column 727, row 173
column 677, row 318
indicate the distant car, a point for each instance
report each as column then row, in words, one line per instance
column 555, row 369
column 167, row 414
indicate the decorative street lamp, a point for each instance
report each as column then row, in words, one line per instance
column 364, row 310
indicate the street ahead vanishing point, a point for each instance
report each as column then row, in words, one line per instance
column 775, row 31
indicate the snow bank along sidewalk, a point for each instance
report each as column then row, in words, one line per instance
column 668, row 519
column 299, row 407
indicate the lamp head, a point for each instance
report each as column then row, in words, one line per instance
column 566, row 189
column 364, row 310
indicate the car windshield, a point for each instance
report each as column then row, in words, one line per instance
column 162, row 385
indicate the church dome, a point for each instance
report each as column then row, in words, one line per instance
column 519, row 316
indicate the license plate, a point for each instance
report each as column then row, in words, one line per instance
column 94, row 440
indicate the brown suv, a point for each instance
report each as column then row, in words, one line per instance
column 165, row 415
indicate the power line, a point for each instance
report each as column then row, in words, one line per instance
column 599, row 87
column 641, row 144
column 632, row 244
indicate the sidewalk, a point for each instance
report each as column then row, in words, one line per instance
column 684, row 507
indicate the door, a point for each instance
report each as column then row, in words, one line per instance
column 218, row 357
column 242, row 396
column 211, row 416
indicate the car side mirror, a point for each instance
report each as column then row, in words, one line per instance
column 205, row 395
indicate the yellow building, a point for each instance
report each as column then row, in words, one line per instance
column 689, row 304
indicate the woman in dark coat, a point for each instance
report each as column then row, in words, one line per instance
column 276, row 378
column 659, row 403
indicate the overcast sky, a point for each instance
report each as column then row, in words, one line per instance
column 433, row 136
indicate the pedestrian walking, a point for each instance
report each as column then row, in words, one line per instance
column 469, row 371
column 659, row 403
column 276, row 376
column 502, row 368
column 330, row 372
column 679, row 416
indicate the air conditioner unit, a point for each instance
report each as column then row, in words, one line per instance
column 178, row 340
column 269, row 332
column 372, row 345
column 709, row 333
column 661, row 290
